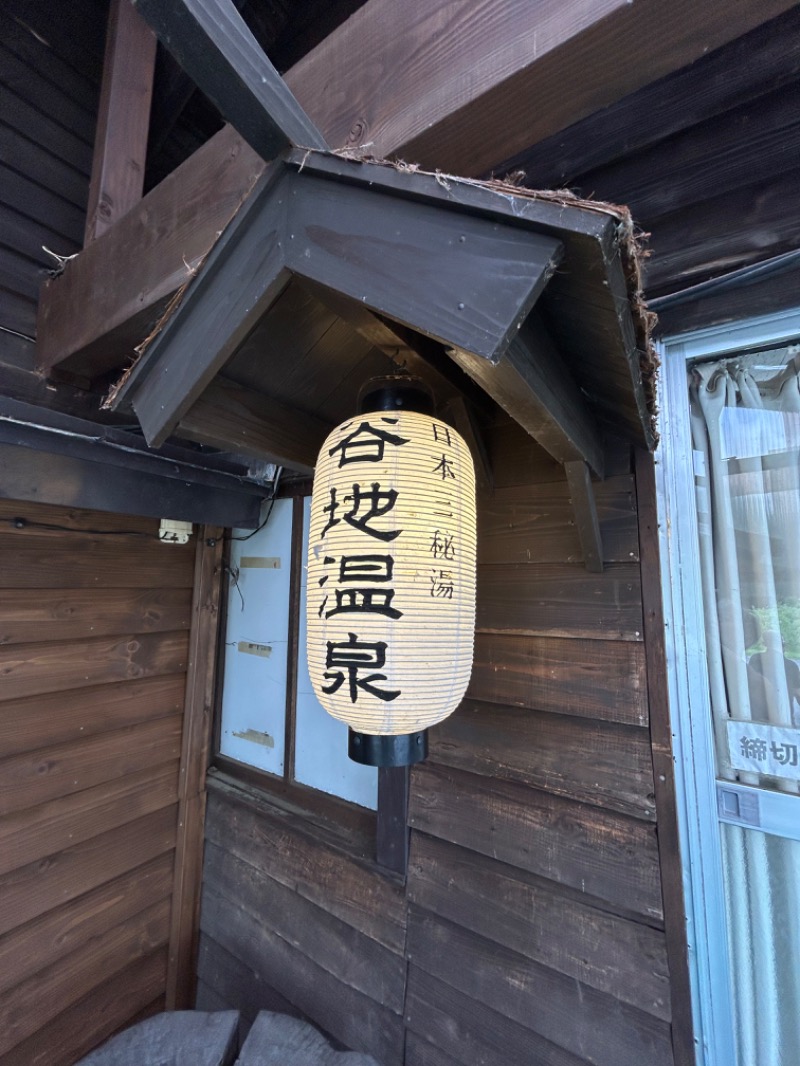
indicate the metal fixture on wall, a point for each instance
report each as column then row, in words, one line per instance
column 391, row 573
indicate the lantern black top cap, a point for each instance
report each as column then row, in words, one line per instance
column 396, row 392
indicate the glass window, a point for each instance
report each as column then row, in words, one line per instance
column 745, row 414
column 268, row 707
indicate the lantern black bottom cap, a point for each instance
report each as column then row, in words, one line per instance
column 403, row 750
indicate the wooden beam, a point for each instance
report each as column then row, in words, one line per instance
column 456, row 97
column 108, row 306
column 172, row 91
column 213, row 44
column 67, row 461
column 585, row 510
column 717, row 83
column 120, row 147
column 247, row 265
column 239, row 420
column 195, row 757
column 392, row 832
column 449, row 85
column 671, row 863
column 532, row 384
column 462, row 280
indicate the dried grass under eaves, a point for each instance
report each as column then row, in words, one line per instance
column 631, row 244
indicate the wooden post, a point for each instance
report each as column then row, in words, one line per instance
column 663, row 769
column 391, row 845
column 195, row 755
column 585, row 509
column 123, row 121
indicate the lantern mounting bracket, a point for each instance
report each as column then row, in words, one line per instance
column 373, row 750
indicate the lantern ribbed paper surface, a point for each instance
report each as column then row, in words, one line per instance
column 391, row 572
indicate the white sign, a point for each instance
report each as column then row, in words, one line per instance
column 764, row 749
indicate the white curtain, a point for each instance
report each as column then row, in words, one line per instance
column 746, row 440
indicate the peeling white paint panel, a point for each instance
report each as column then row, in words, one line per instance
column 256, row 643
column 320, row 758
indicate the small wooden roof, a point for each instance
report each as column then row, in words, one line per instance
column 336, row 269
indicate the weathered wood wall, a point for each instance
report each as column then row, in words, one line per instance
column 295, row 919
column 50, row 58
column 95, row 615
column 707, row 159
column 535, row 921
column 531, row 928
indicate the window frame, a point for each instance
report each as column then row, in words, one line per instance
column 381, row 835
column 698, row 815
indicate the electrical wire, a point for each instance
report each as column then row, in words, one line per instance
column 26, row 523
column 269, row 509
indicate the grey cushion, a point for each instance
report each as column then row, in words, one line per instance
column 176, row 1038
column 279, row 1040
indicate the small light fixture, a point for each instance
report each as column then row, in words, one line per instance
column 391, row 573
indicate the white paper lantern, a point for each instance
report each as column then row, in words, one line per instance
column 391, row 573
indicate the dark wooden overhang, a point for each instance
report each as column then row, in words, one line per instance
column 334, row 270
column 49, row 456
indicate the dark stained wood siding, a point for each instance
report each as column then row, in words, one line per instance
column 707, row 161
column 531, row 926
column 292, row 920
column 535, row 915
column 94, row 632
column 50, row 56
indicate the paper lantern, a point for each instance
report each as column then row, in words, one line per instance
column 391, row 575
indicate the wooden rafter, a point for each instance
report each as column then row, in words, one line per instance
column 532, row 383
column 123, row 119
column 451, row 85
column 213, row 44
column 420, row 111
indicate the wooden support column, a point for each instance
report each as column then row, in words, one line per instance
column 195, row 756
column 120, row 149
column 585, row 509
column 391, row 845
column 534, row 386
column 395, row 75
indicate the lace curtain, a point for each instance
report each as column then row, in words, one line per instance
column 746, row 440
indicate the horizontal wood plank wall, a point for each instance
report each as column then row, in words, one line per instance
column 535, row 920
column 50, row 57
column 292, row 920
column 531, row 927
column 94, row 629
